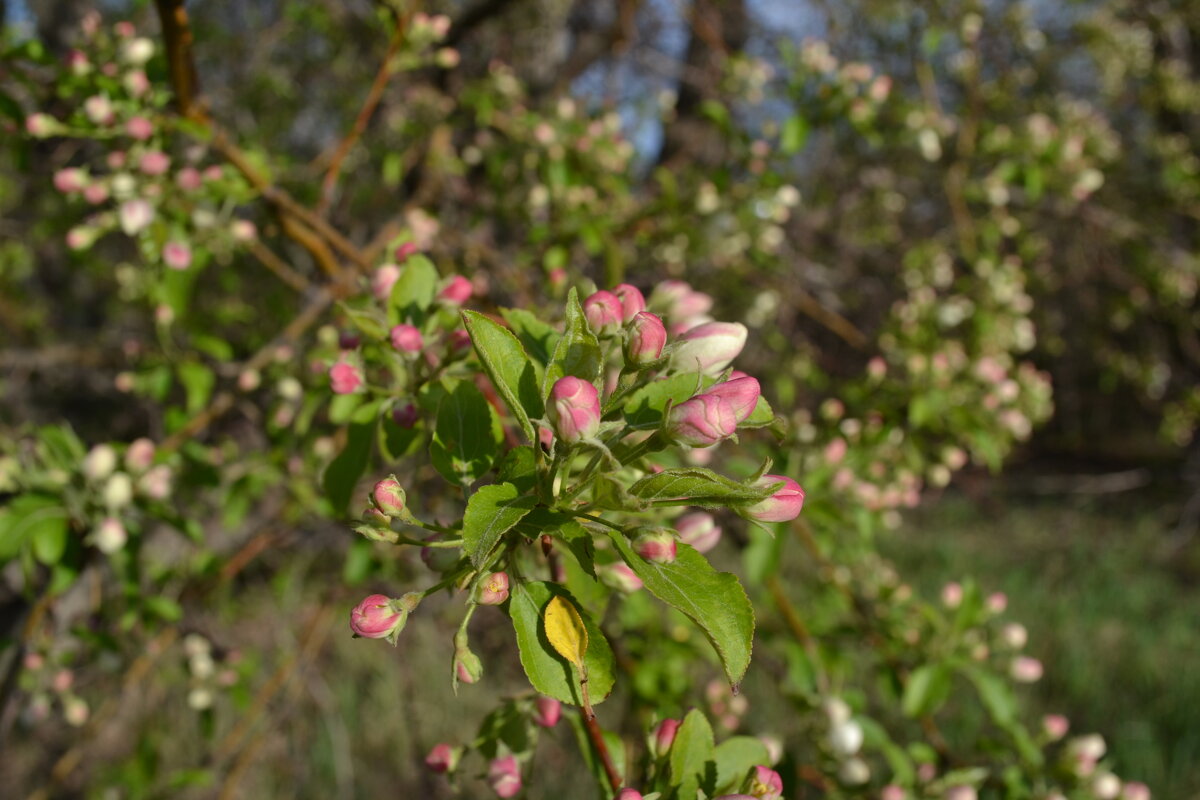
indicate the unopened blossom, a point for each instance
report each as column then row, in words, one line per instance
column 960, row 793
column 243, row 230
column 742, row 394
column 679, row 301
column 997, row 602
column 383, row 280
column 632, row 301
column 70, row 180
column 1025, row 669
column 456, row 291
column 1014, row 635
column 645, row 339
column 110, row 536
column 629, row 794
column 345, row 378
column 118, row 491
column 136, row 82
column 782, row 506
column 709, row 348
column 140, row 455
column 656, row 545
column 619, row 576
column 40, row 125
column 154, row 162
column 1055, row 726
column 189, row 179
column 95, row 193
column 177, row 255
column 493, row 590
column 135, row 216
column 137, row 51
column 846, row 739
column 699, row 530
column 574, row 409
column 547, row 712
column 379, row 616
column 664, row 737
column 504, row 776
column 99, row 462
column 99, row 109
column 389, row 496
column 406, row 339
column 952, row 595
column 604, row 313
column 442, row 758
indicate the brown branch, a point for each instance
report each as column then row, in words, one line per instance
column 177, row 34
column 830, row 319
column 597, row 737
column 280, row 268
column 364, row 116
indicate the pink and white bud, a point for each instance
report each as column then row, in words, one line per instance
column 574, row 409
column 154, row 162
column 1106, row 786
column 377, row 617
column 189, row 179
column 140, row 128
column 656, row 545
column 546, row 712
column 156, row 483
column 632, row 301
column 140, row 455
column 110, row 536
column 99, row 462
column 407, row 339
column 493, row 590
column 456, row 291
column 504, row 776
column 629, row 794
column 243, row 230
column 70, row 180
column 345, row 378
column 952, row 595
column 646, row 338
column 137, row 51
column 699, row 530
column 177, row 255
column 960, row 793
column 467, row 666
column 846, row 738
column 135, row 216
column 81, row 237
column 405, row 251
column 1025, row 669
column 383, row 280
column 664, row 737
column 41, row 125
column 679, row 301
column 619, row 576
column 98, row 109
column 1135, row 790
column 741, row 393
column 766, row 784
column 709, row 348
column 893, row 792
column 1014, row 635
column 95, row 193
column 1055, row 726
column 701, row 421
column 997, row 602
column 782, row 506
column 389, row 497
column 442, row 758
column 604, row 313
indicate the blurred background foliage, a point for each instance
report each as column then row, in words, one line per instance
column 928, row 214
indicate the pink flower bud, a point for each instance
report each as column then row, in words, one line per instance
column 243, row 230
column 189, row 179
column 405, row 415
column 876, row 368
column 110, row 536
column 782, row 506
column 456, row 291
column 656, row 545
column 376, row 518
column 493, row 590
column 766, row 784
column 997, row 602
column 632, row 301
column 619, row 576
column 892, row 792
column 709, row 348
column 680, row 301
column 547, row 712
column 504, row 776
column 70, row 180
column 135, row 216
column 140, row 455
column 1135, row 791
column 404, row 251
column 345, row 378
column 952, row 595
column 1026, row 670
column 1055, row 726
column 389, row 496
column 156, row 483
column 376, row 617
column 467, row 666
column 960, row 793
column 124, row 29
column 646, row 338
column 348, row 340
column 741, row 393
column 98, row 109
column 407, row 339
column 442, row 758
column 664, row 737
column 603, row 311
column 574, row 409
column 177, row 255
column 40, row 125
column 95, row 193
column 139, row 127
column 699, row 530
column 701, row 421
column 383, row 280
column 154, row 162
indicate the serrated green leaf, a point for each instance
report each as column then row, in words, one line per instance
column 549, row 672
column 577, row 352
column 536, row 337
column 367, row 322
column 467, row 435
column 491, row 512
column 645, row 407
column 715, row 601
column 697, row 486
column 519, row 467
column 735, row 757
column 509, row 367
column 692, row 760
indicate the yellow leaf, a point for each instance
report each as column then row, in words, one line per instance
column 564, row 629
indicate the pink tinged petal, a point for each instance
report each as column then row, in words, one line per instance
column 709, row 348
column 407, row 339
column 604, row 313
column 374, row 617
column 345, row 378
column 632, row 301
column 574, row 409
column 742, row 394
column 699, row 530
column 782, row 506
column 547, row 712
column 646, row 339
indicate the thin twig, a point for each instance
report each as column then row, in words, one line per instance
column 597, row 736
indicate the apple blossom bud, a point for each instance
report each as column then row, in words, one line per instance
column 1106, row 786
column 442, row 758
column 459, row 339
column 243, row 230
column 997, row 602
column 389, row 496
column 154, row 162
column 140, row 455
column 699, row 530
column 701, row 421
column 156, row 484
column 377, row 617
column 375, row 519
column 656, row 545
column 383, row 280
column 709, row 348
column 960, row 793
column 189, row 179
column 664, row 737
column 345, row 378
column 632, row 301
column 846, row 739
column 547, row 712
column 493, row 590
column 447, row 58
column 135, row 216
column 952, row 595
column 766, row 784
column 75, row 711
column 456, row 291
column 629, row 794
column 407, row 339
column 604, row 313
column 348, row 340
column 137, row 51
column 405, row 251
column 783, row 506
column 405, row 415
column 645, row 339
column 1026, row 670
column 504, row 776
column 736, row 797
column 139, row 128
column 118, row 492
column 41, row 125
column 893, row 792
column 467, row 666
column 95, row 193
column 1135, row 790
column 574, row 409
column 70, row 180
column 99, row 462
column 618, row 576
column 1014, row 635
column 177, row 255
column 741, row 393
column 1055, row 726
column 110, row 536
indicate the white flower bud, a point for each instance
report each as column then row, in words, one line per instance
column 118, row 492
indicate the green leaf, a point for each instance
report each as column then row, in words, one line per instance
column 343, row 472
column 413, row 291
column 715, row 601
column 995, row 694
column 794, row 134
column 467, row 435
column 645, row 407
column 577, row 352
column 761, row 416
column 692, row 760
column 343, row 406
column 519, row 467
column 198, row 381
column 697, row 486
column 927, row 688
column 536, row 337
column 367, row 322
column 549, row 672
column 509, row 367
column 610, row 493
column 32, row 517
column 735, row 757
column 491, row 512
